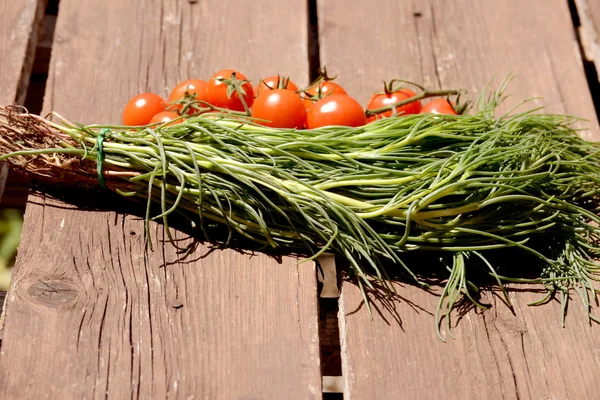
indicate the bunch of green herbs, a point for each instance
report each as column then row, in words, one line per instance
column 466, row 185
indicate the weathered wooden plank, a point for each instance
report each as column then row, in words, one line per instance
column 155, row 50
column 18, row 37
column 495, row 354
column 589, row 29
column 462, row 44
column 114, row 319
column 119, row 320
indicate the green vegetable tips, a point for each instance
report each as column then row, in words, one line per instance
column 460, row 184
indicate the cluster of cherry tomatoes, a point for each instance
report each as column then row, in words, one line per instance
column 276, row 102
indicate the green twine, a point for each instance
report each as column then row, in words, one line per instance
column 100, row 156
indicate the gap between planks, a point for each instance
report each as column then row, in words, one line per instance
column 329, row 323
column 314, row 52
column 2, row 309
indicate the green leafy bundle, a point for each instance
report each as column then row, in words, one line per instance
column 465, row 184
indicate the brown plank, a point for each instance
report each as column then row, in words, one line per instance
column 495, row 354
column 18, row 37
column 115, row 320
column 462, row 44
column 593, row 10
column 589, row 29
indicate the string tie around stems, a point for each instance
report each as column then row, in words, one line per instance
column 100, row 156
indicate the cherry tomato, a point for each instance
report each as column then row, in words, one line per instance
column 279, row 108
column 438, row 106
column 335, row 109
column 218, row 89
column 326, row 88
column 165, row 116
column 141, row 108
column 271, row 82
column 194, row 87
column 381, row 100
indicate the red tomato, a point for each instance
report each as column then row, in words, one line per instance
column 165, row 116
column 280, row 108
column 195, row 87
column 326, row 88
column 381, row 100
column 218, row 91
column 141, row 108
column 272, row 82
column 335, row 109
column 438, row 106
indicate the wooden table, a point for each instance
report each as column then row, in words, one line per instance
column 92, row 313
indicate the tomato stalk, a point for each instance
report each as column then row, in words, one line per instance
column 389, row 88
column 320, row 87
column 323, row 77
column 423, row 95
column 183, row 105
column 282, row 83
column 210, row 107
column 236, row 85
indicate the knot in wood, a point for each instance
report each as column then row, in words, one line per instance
column 53, row 293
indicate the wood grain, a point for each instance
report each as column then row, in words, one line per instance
column 116, row 319
column 90, row 312
column 496, row 355
column 459, row 44
column 462, row 44
column 140, row 51
column 18, row 37
column 589, row 29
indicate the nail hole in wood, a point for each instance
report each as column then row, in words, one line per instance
column 176, row 304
